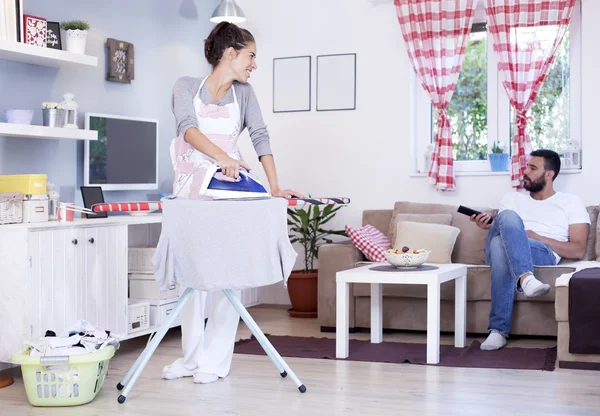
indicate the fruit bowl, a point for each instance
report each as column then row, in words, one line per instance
column 406, row 257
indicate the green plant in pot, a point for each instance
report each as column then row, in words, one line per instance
column 306, row 228
column 76, row 33
column 498, row 159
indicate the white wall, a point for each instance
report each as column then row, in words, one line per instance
column 365, row 154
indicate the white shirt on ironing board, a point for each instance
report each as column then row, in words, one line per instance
column 549, row 217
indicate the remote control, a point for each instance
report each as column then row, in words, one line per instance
column 470, row 212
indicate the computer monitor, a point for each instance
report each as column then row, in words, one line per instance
column 125, row 156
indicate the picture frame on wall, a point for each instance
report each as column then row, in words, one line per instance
column 121, row 61
column 336, row 82
column 292, row 84
column 53, row 39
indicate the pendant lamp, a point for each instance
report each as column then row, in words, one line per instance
column 228, row 11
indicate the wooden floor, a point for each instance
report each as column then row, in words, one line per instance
column 334, row 386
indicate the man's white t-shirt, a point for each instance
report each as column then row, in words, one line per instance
column 550, row 217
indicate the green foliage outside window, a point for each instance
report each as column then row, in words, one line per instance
column 468, row 108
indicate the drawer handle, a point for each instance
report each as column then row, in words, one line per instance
column 74, row 241
column 91, row 240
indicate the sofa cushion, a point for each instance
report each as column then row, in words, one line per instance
column 593, row 249
column 445, row 219
column 561, row 304
column 438, row 238
column 370, row 241
column 470, row 244
column 378, row 218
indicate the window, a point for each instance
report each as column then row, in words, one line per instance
column 467, row 111
column 480, row 113
column 550, row 127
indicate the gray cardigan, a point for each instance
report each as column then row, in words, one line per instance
column 185, row 90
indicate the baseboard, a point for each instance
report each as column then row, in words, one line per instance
column 363, row 330
column 579, row 365
column 332, row 329
column 12, row 371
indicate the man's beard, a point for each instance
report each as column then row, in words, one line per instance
column 534, row 186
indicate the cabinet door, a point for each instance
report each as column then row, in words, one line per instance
column 55, row 281
column 78, row 273
column 104, row 277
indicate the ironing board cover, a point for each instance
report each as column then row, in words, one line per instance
column 127, row 206
column 214, row 245
column 157, row 205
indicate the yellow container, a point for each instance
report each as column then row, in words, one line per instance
column 64, row 380
column 33, row 184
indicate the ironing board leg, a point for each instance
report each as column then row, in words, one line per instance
column 273, row 358
column 136, row 369
column 262, row 339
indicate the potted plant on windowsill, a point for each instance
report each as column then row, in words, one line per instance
column 306, row 228
column 498, row 159
column 76, row 33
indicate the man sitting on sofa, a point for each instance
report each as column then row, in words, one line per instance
column 536, row 228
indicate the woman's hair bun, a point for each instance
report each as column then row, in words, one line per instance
column 225, row 35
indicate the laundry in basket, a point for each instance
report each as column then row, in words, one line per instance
column 68, row 369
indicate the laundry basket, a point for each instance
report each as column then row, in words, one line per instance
column 63, row 380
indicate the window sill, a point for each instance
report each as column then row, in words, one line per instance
column 490, row 173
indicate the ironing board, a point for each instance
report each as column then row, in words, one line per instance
column 150, row 206
column 169, row 215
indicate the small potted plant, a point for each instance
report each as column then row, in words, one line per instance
column 53, row 114
column 498, row 159
column 306, row 228
column 76, row 33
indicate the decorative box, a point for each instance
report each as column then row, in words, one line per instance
column 35, row 30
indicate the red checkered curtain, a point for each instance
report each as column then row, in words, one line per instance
column 436, row 34
column 524, row 58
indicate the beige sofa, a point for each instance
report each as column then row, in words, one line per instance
column 405, row 306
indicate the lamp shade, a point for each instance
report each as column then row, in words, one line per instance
column 228, row 11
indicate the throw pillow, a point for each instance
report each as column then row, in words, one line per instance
column 370, row 241
column 425, row 218
column 437, row 238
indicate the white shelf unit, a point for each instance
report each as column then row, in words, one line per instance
column 42, row 132
column 54, row 273
column 37, row 55
column 153, row 328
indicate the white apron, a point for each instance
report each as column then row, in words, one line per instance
column 207, row 354
column 222, row 126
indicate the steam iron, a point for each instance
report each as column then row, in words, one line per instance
column 247, row 186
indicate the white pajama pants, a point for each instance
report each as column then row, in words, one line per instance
column 206, row 350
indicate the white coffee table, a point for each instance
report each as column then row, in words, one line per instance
column 432, row 278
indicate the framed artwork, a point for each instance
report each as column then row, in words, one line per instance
column 34, row 30
column 53, row 36
column 121, row 61
column 291, row 84
column 336, row 82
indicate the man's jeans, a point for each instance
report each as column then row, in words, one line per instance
column 510, row 254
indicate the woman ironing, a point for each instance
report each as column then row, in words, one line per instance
column 211, row 113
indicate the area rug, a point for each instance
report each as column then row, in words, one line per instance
column 396, row 352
